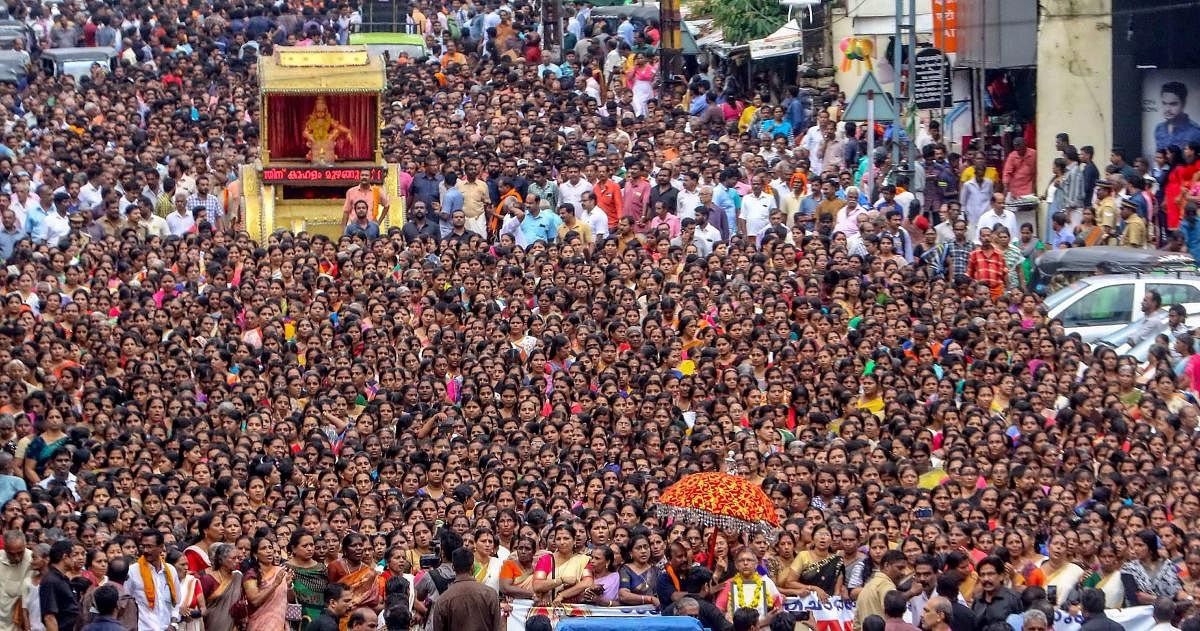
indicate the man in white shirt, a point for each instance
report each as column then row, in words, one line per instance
column 813, row 141
column 129, row 197
column 756, row 208
column 613, row 60
column 60, row 472
column 780, row 186
column 57, row 222
column 91, row 194
column 706, row 233
column 594, row 216
column 945, row 228
column 15, row 569
column 688, row 198
column 775, row 225
column 976, row 197
column 151, row 224
column 998, row 215
column 181, row 221
column 21, row 200
column 160, row 613
column 572, row 188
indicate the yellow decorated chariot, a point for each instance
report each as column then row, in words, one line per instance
column 319, row 136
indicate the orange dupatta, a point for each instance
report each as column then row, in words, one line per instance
column 148, row 581
column 498, row 213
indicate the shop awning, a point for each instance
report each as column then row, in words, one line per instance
column 321, row 69
column 712, row 38
column 788, row 40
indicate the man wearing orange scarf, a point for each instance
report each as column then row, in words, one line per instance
column 154, row 585
column 509, row 197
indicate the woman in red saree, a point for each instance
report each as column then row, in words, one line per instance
column 1182, row 173
column 356, row 572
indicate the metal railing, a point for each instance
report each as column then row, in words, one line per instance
column 386, row 17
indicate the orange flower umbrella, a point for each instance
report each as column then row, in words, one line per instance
column 722, row 500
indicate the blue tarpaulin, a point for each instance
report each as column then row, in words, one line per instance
column 640, row 623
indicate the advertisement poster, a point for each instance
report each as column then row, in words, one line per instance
column 1170, row 110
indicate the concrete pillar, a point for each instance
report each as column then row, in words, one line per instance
column 1074, row 78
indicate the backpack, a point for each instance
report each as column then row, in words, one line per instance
column 439, row 581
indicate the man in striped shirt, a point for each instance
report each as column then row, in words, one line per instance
column 955, row 254
column 213, row 208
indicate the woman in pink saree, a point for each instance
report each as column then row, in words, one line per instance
column 266, row 587
column 641, row 81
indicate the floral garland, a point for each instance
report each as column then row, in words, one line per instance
column 741, row 591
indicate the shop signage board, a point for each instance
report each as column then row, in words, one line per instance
column 931, row 83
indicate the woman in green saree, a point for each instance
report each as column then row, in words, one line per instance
column 50, row 438
column 310, row 580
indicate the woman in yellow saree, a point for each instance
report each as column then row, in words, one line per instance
column 818, row 570
column 1061, row 574
column 562, row 575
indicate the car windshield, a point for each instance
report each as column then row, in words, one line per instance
column 1059, row 296
column 78, row 68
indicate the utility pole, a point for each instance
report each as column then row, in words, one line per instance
column 912, row 75
column 897, row 65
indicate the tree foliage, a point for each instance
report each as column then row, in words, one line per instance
column 742, row 20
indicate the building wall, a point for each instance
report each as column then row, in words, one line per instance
column 1074, row 78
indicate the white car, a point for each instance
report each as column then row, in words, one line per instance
column 1098, row 305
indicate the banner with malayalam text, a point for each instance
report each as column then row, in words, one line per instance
column 834, row 614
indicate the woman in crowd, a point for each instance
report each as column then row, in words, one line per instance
column 747, row 589
column 356, row 571
column 309, row 576
column 266, row 586
column 1060, row 574
column 222, row 586
column 488, row 566
column 563, row 574
column 211, row 532
column 1146, row 576
column 638, row 577
column 517, row 574
column 606, row 581
column 819, row 569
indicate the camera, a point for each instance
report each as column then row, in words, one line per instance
column 429, row 561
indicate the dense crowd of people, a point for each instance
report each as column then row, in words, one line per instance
column 604, row 283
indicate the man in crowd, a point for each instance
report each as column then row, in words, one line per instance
column 56, row 599
column 1020, row 168
column 935, row 616
column 361, row 224
column 872, row 600
column 1134, row 234
column 995, row 602
column 466, row 605
column 338, row 602
column 154, row 585
column 214, row 210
